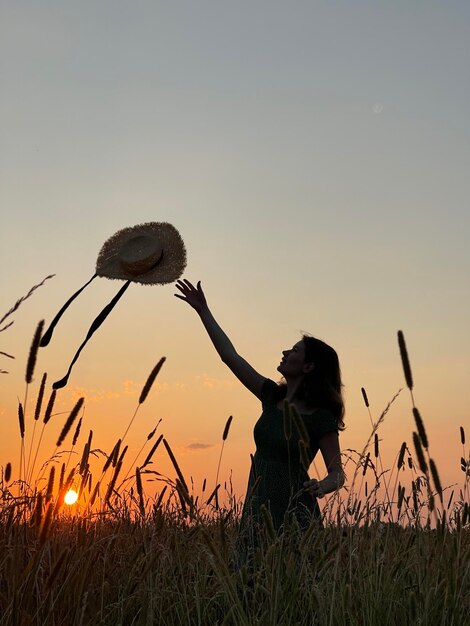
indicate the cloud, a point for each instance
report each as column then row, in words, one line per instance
column 94, row 396
column 129, row 388
column 199, row 446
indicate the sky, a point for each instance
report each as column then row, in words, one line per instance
column 314, row 157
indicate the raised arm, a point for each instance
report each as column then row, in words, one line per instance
column 329, row 447
column 245, row 373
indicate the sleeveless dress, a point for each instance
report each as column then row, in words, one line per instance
column 277, row 473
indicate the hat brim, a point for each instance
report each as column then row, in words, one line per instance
column 167, row 270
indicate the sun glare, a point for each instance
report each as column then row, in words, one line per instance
column 71, row 497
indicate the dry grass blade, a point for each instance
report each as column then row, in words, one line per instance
column 61, row 477
column 22, row 299
column 304, row 453
column 152, row 433
column 70, row 420
column 150, row 380
column 268, row 522
column 112, row 482
column 405, row 360
column 183, row 496
column 140, row 491
column 366, row 464
column 160, row 498
column 37, row 515
column 401, row 495
column 56, row 569
column 33, row 352
column 112, row 458
column 46, row 524
column 420, row 426
column 436, row 479
column 299, row 424
column 213, row 494
column 175, row 464
column 152, row 451
column 84, row 459
column 50, row 484
column 123, row 454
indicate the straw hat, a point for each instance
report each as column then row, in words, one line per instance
column 151, row 254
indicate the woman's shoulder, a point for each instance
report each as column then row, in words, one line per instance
column 321, row 421
column 270, row 392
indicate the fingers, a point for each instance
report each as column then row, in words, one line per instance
column 190, row 293
column 185, row 284
column 314, row 487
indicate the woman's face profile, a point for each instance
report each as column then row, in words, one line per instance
column 293, row 361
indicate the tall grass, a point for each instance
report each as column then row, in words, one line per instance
column 394, row 547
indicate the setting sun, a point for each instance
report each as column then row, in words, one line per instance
column 71, row 497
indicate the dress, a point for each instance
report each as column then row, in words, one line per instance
column 277, row 463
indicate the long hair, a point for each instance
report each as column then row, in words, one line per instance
column 322, row 387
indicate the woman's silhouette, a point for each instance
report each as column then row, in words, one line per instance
column 287, row 440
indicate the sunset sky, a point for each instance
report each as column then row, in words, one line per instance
column 314, row 157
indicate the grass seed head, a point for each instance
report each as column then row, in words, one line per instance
column 21, row 419
column 420, row 426
column 401, row 455
column 33, row 352
column 152, row 451
column 419, row 453
column 405, row 360
column 70, row 420
column 77, row 432
column 227, row 428
column 50, row 406
column 150, row 380
column 37, row 411
column 46, row 524
column 50, row 484
column 435, row 478
column 175, row 464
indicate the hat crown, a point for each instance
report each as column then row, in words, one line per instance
column 150, row 254
column 140, row 254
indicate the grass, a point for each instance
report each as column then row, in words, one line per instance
column 394, row 549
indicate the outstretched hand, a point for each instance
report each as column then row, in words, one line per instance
column 314, row 487
column 194, row 296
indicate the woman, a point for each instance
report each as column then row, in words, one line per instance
column 278, row 478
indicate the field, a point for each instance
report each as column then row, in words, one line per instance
column 394, row 547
